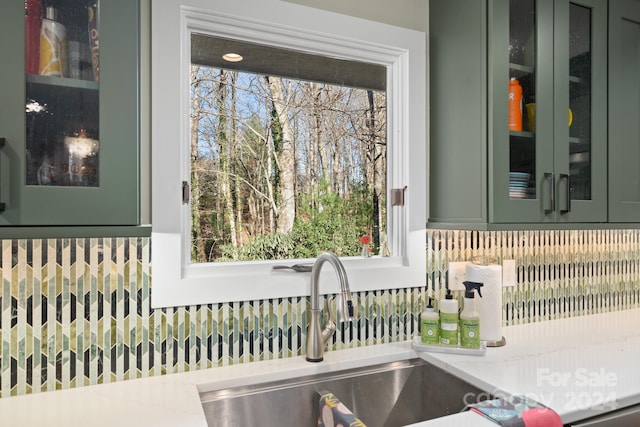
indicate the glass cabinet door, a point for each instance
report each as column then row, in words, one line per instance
column 62, row 94
column 521, row 133
column 578, row 115
column 549, row 111
column 522, row 99
column 581, row 108
column 69, row 86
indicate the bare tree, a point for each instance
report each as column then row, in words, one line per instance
column 373, row 156
column 196, row 219
column 235, row 185
column 286, row 158
column 315, row 139
column 225, row 160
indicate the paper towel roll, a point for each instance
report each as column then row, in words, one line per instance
column 490, row 305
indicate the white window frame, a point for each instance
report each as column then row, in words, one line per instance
column 177, row 282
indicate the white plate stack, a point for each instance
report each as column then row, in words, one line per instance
column 518, row 185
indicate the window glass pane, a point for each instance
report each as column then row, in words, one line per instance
column 287, row 160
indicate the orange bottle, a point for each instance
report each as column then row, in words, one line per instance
column 515, row 105
column 33, row 22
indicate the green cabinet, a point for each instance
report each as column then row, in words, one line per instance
column 70, row 134
column 624, row 111
column 550, row 166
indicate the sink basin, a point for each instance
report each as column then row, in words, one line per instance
column 389, row 394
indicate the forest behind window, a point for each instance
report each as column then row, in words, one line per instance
column 284, row 167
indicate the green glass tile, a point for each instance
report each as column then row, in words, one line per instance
column 560, row 273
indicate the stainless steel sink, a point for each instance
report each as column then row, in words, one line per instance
column 390, row 394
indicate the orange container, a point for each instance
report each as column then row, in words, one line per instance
column 515, row 105
column 33, row 22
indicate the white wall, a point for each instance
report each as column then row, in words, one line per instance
column 411, row 14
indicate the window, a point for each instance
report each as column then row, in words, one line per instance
column 288, row 153
column 393, row 61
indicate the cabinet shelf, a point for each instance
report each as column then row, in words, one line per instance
column 518, row 70
column 579, row 141
column 578, row 80
column 522, row 134
column 522, row 68
column 62, row 82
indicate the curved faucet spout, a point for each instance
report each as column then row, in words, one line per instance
column 316, row 336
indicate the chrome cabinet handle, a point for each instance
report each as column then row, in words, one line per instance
column 567, row 179
column 552, row 195
column 2, row 143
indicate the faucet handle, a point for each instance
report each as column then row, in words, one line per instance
column 328, row 306
column 350, row 309
column 330, row 325
column 345, row 309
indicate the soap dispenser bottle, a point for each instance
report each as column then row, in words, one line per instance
column 469, row 317
column 449, row 320
column 430, row 325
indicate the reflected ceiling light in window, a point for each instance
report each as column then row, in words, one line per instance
column 232, row 57
column 34, row 106
column 80, row 145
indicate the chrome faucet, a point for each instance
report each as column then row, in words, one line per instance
column 317, row 337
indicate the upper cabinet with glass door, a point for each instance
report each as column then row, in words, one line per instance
column 69, row 85
column 518, row 111
column 549, row 111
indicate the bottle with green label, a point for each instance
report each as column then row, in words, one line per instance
column 430, row 325
column 449, row 320
column 469, row 317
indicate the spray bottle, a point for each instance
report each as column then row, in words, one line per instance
column 469, row 318
column 449, row 320
column 430, row 325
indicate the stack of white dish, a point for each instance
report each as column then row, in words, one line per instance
column 518, row 185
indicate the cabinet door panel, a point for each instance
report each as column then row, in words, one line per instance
column 580, row 105
column 521, row 48
column 563, row 70
column 624, row 111
column 458, row 113
column 103, row 190
column 12, row 80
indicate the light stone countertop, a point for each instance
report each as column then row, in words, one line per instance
column 567, row 364
column 580, row 367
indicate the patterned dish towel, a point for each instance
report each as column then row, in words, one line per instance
column 333, row 413
column 517, row 411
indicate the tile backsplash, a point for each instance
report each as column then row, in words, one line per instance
column 560, row 273
column 76, row 312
